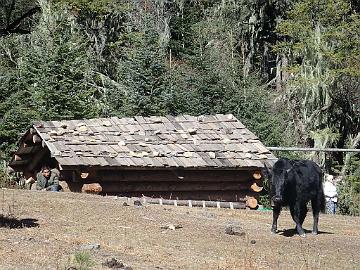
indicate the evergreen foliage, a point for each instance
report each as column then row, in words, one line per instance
column 323, row 49
column 282, row 67
column 349, row 199
column 47, row 75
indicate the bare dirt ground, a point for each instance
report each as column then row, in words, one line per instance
column 49, row 229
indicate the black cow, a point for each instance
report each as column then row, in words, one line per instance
column 295, row 183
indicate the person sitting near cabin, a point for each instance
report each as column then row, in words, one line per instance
column 47, row 180
column 331, row 194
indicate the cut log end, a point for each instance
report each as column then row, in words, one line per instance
column 84, row 175
column 93, row 188
column 36, row 138
column 32, row 131
column 30, row 180
column 251, row 202
column 256, row 188
column 257, row 175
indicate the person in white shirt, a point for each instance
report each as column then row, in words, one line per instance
column 330, row 192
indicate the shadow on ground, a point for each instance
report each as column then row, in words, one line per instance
column 14, row 223
column 292, row 232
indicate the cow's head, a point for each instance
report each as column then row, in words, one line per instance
column 279, row 176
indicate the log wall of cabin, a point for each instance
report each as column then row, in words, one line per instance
column 217, row 185
column 32, row 154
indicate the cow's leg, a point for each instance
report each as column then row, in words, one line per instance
column 303, row 212
column 276, row 213
column 292, row 212
column 316, row 206
column 296, row 215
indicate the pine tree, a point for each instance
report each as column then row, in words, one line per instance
column 47, row 75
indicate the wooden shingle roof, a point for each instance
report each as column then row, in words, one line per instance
column 218, row 141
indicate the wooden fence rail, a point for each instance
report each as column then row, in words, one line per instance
column 312, row 149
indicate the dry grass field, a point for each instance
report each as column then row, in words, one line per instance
column 45, row 230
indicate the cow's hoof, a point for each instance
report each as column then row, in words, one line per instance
column 273, row 231
column 315, row 233
column 303, row 235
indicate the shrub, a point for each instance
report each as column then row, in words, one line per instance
column 349, row 200
column 83, row 260
column 264, row 198
column 349, row 190
column 5, row 180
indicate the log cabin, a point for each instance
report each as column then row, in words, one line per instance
column 207, row 157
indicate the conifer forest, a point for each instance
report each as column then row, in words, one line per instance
column 289, row 70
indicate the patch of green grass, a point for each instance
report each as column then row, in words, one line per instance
column 80, row 260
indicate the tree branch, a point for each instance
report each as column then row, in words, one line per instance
column 13, row 27
column 12, row 6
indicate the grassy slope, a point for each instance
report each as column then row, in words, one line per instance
column 65, row 221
